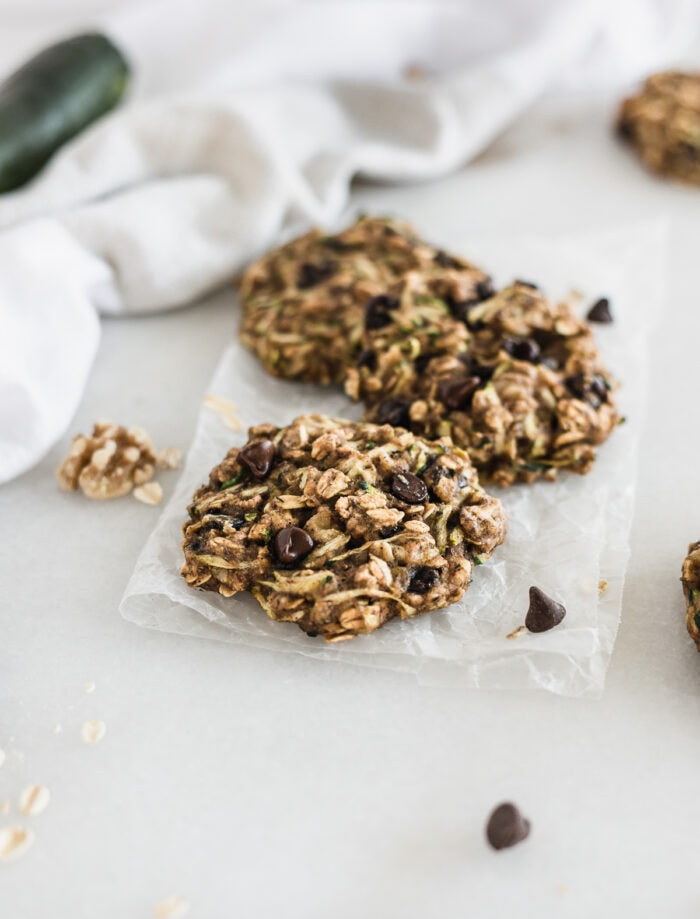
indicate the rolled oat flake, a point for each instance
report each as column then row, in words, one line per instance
column 506, row 827
column 544, row 613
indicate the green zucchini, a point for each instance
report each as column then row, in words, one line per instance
column 53, row 97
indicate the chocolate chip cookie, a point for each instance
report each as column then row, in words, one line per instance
column 662, row 123
column 516, row 380
column 691, row 588
column 305, row 304
column 340, row 526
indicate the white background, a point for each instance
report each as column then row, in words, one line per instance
column 258, row 785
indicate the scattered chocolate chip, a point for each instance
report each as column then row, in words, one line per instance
column 408, row 487
column 600, row 311
column 526, row 284
column 311, row 274
column 446, row 261
column 292, row 544
column 506, row 827
column 378, row 311
column 523, row 349
column 258, row 457
column 485, row 289
column 367, row 358
column 423, row 579
column 457, row 393
column 394, row 412
column 543, row 613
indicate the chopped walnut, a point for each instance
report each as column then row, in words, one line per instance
column 112, row 460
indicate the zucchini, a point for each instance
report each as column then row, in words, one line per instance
column 53, row 97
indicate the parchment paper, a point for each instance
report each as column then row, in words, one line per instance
column 564, row 536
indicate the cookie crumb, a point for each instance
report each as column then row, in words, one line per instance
column 90, row 686
column 516, row 633
column 602, row 585
column 226, row 410
column 58, row 728
column 152, row 493
column 33, row 800
column 93, row 731
column 14, row 842
column 172, row 907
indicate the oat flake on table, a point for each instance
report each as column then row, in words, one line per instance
column 14, row 842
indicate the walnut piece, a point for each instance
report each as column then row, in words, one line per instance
column 112, row 460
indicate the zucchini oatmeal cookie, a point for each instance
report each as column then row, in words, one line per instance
column 518, row 383
column 691, row 588
column 304, row 304
column 662, row 123
column 340, row 526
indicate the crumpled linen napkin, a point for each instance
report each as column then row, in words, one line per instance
column 250, row 119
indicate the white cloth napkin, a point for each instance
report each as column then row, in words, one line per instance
column 249, row 119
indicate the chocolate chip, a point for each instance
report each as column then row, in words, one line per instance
column 523, row 349
column 408, row 487
column 625, row 129
column 598, row 388
column 378, row 311
column 311, row 274
column 423, row 579
column 485, row 289
column 258, row 457
column 292, row 544
column 457, row 393
column 593, row 390
column 446, row 261
column 506, row 827
column 394, row 412
column 422, row 361
column 543, row 613
column 526, row 284
column 462, row 310
column 483, row 371
column 312, row 633
column 600, row 311
column 367, row 358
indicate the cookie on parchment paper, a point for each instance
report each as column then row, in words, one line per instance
column 305, row 303
column 517, row 381
column 341, row 526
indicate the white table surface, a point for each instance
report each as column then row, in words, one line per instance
column 257, row 785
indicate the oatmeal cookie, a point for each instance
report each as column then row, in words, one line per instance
column 691, row 588
column 518, row 382
column 304, row 304
column 340, row 526
column 662, row 122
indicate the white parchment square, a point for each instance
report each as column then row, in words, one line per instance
column 563, row 536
